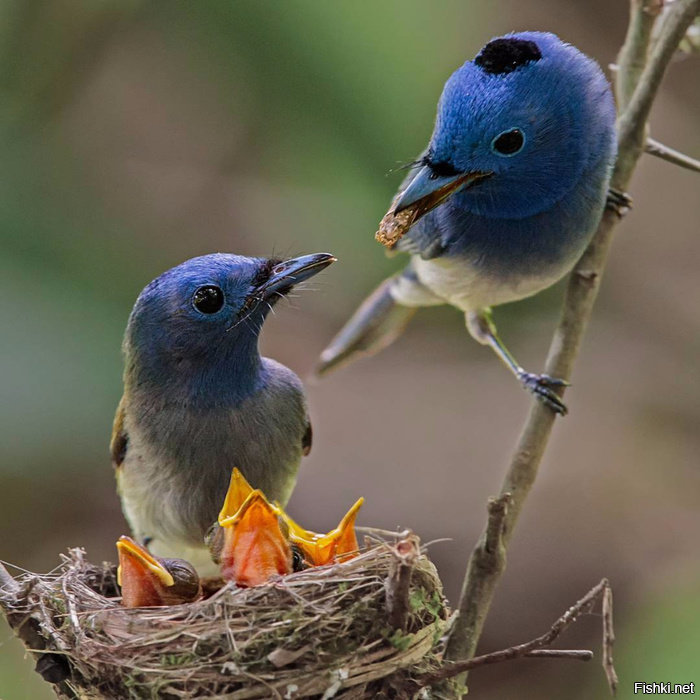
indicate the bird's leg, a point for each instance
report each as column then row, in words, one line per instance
column 619, row 202
column 482, row 328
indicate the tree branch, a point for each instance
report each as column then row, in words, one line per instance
column 633, row 55
column 671, row 155
column 537, row 647
column 573, row 654
column 7, row 583
column 485, row 566
column 484, row 571
column 398, row 583
column 608, row 639
column 632, row 122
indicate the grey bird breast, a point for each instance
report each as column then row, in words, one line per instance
column 179, row 459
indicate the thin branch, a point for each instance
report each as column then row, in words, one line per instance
column 538, row 647
column 690, row 44
column 629, row 67
column 573, row 654
column 483, row 571
column 633, row 55
column 497, row 510
column 497, row 657
column 397, row 585
column 632, row 122
column 654, row 148
column 8, row 584
column 608, row 639
column 485, row 567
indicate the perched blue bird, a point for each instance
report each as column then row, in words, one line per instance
column 504, row 199
column 199, row 399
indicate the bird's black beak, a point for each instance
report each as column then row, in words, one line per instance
column 428, row 189
column 289, row 273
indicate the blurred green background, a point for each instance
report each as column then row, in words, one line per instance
column 137, row 134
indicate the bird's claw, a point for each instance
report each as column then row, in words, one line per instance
column 543, row 387
column 619, row 202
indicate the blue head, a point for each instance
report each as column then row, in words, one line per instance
column 195, row 328
column 516, row 128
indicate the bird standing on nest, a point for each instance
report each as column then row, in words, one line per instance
column 198, row 398
column 148, row 581
column 505, row 198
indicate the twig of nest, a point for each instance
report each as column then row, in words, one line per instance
column 361, row 628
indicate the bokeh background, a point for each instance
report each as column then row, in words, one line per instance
column 134, row 135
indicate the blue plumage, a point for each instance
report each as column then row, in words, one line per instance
column 206, row 359
column 507, row 194
column 199, row 399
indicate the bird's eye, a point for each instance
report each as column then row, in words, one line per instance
column 298, row 560
column 508, row 143
column 208, row 299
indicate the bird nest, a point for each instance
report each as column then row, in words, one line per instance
column 367, row 627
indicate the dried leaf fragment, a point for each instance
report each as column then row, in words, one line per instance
column 393, row 226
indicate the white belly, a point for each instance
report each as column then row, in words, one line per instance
column 156, row 519
column 161, row 528
column 471, row 288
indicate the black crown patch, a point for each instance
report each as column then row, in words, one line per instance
column 506, row 55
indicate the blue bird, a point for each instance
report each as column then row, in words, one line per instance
column 505, row 198
column 199, row 399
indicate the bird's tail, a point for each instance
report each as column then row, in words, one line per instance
column 378, row 322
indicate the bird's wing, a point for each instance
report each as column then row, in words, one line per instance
column 120, row 440
column 307, row 438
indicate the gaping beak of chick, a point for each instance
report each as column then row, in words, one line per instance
column 337, row 545
column 289, row 273
column 254, row 548
column 238, row 490
column 144, row 580
column 428, row 189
